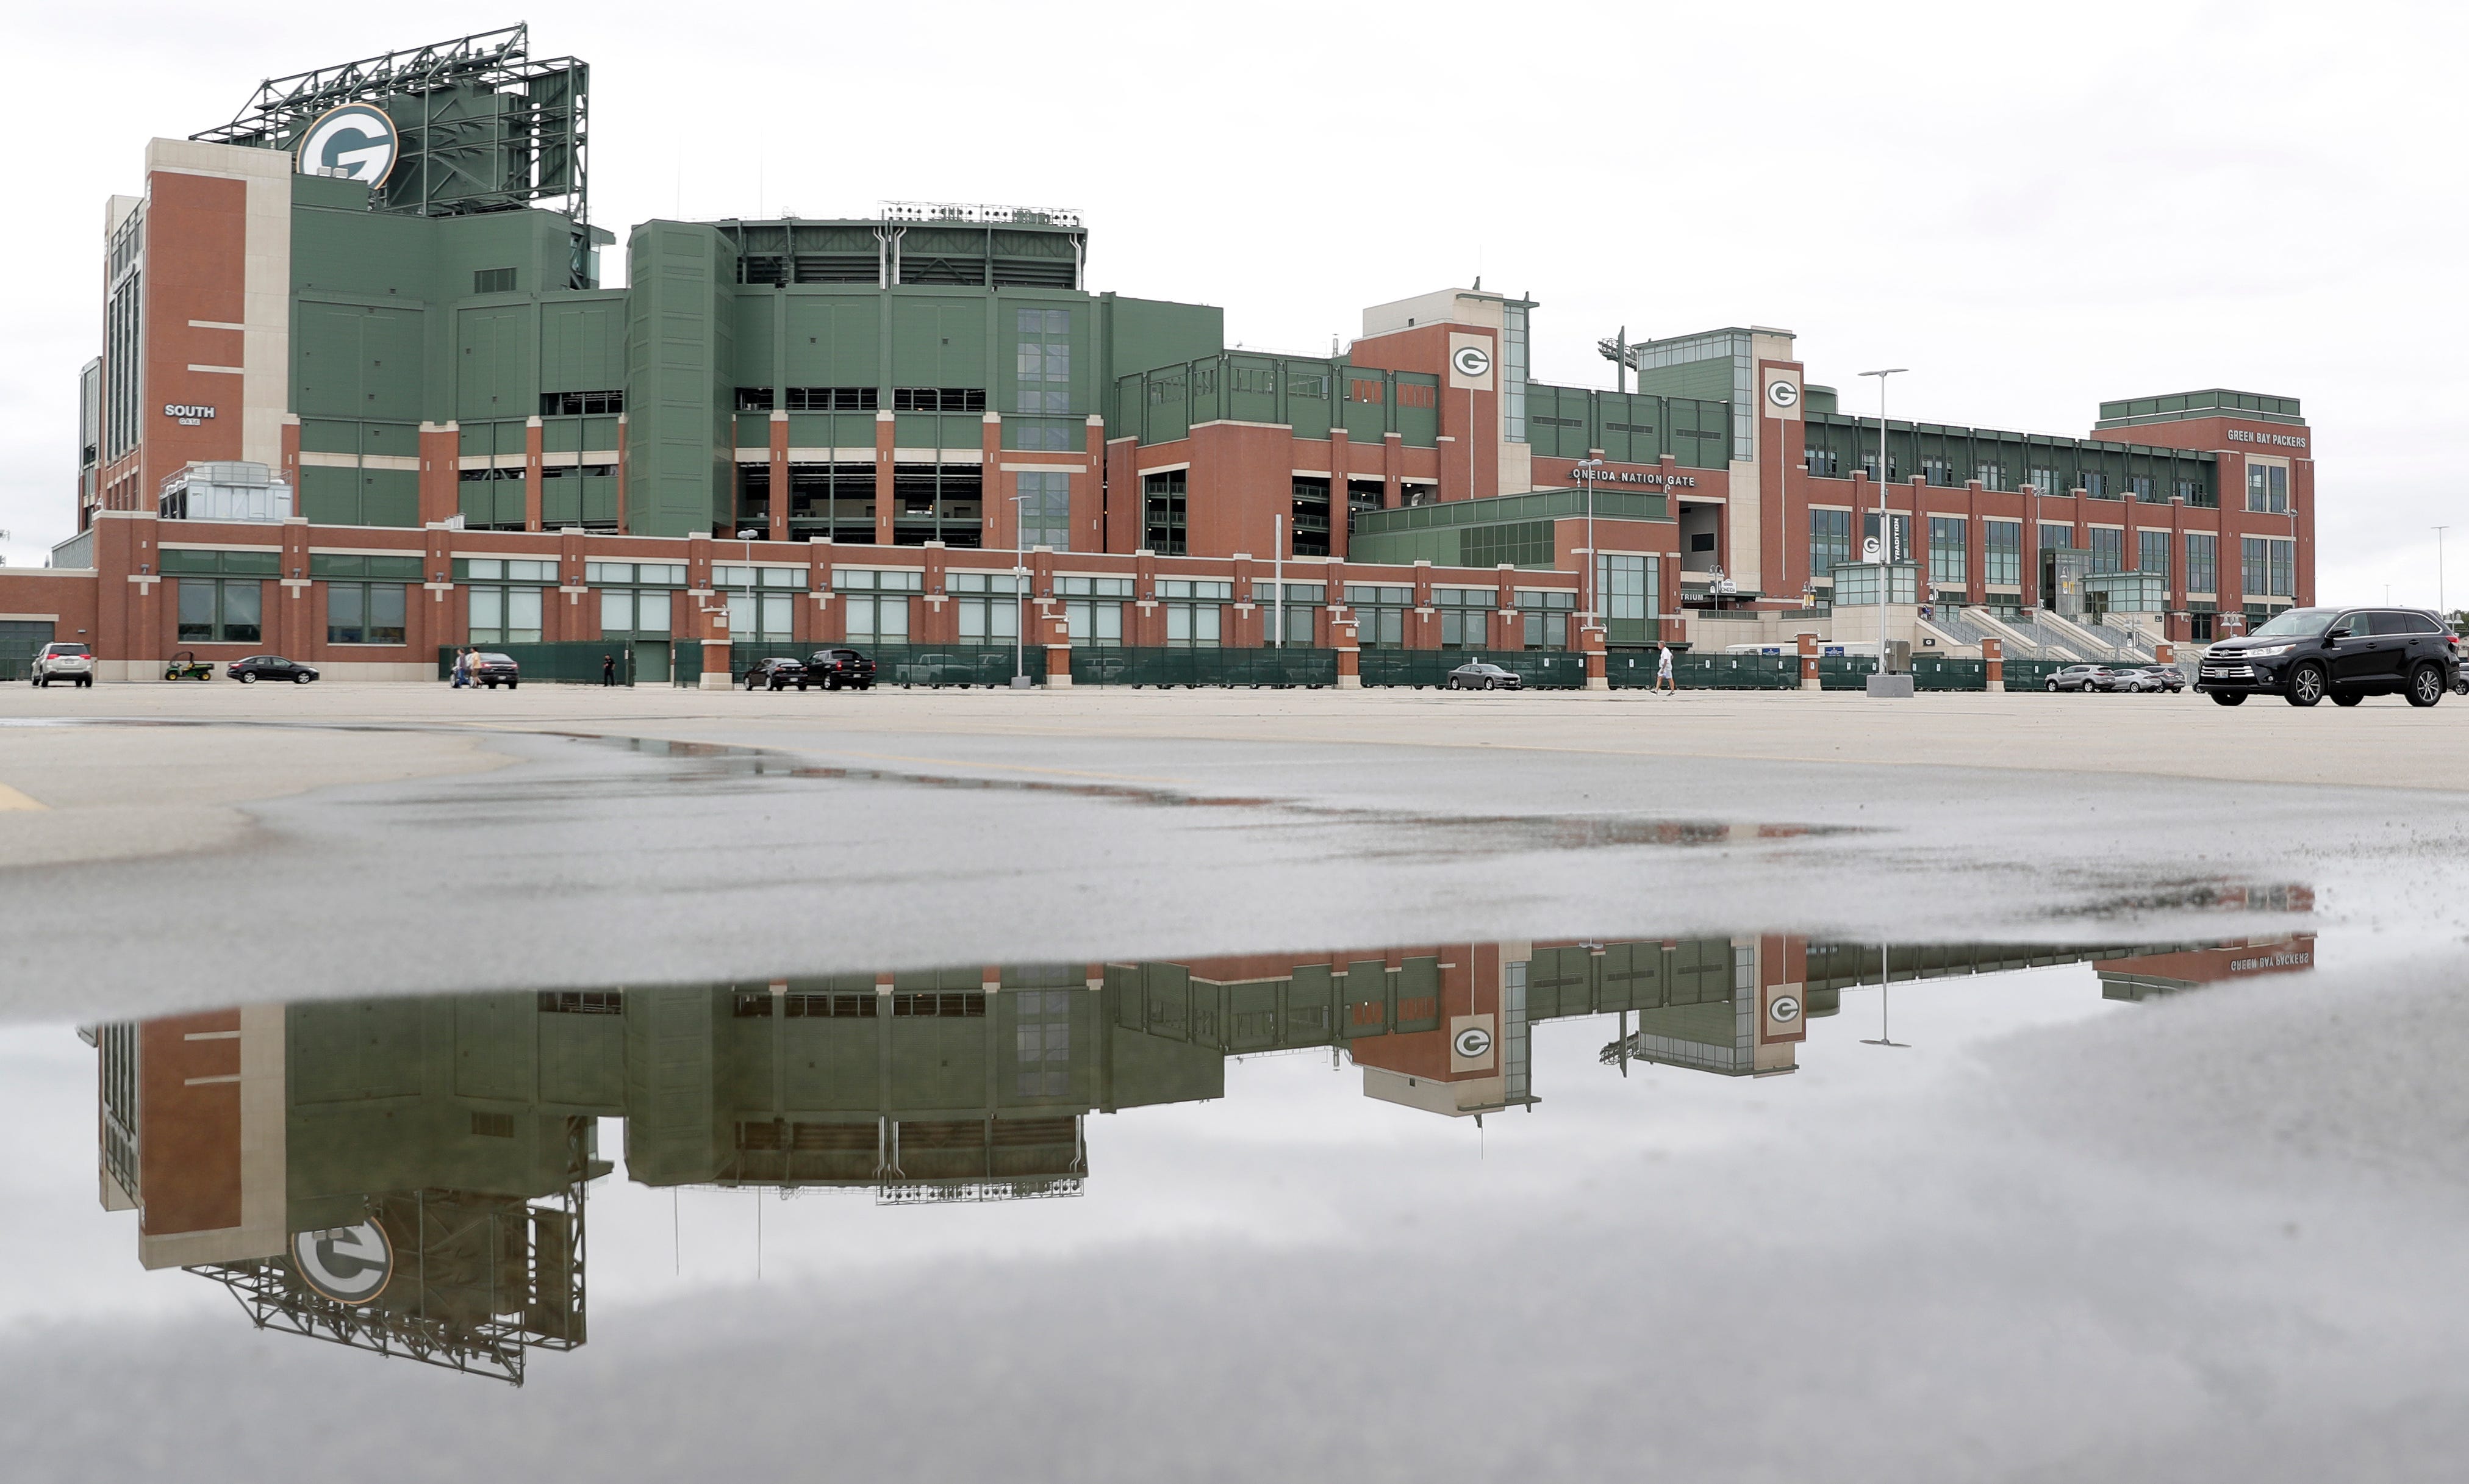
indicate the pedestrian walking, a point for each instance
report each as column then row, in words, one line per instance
column 609, row 669
column 1663, row 680
column 463, row 668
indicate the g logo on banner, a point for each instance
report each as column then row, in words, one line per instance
column 1473, row 1042
column 1472, row 361
column 1783, row 394
column 354, row 142
column 1784, row 1010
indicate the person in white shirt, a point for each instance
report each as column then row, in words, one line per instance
column 1663, row 680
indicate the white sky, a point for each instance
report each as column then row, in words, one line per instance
column 2033, row 208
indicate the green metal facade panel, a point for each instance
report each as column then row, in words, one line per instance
column 583, row 343
column 1567, row 422
column 679, row 387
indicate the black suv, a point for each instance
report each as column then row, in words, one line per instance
column 2348, row 654
column 838, row 667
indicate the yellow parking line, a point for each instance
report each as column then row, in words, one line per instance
column 10, row 798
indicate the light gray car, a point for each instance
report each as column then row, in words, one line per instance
column 64, row 662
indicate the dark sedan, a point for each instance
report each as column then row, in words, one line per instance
column 776, row 674
column 1480, row 676
column 836, row 668
column 272, row 667
column 494, row 670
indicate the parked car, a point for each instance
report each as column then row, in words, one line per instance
column 2347, row 653
column 2076, row 676
column 775, row 674
column 2172, row 679
column 1477, row 675
column 2128, row 678
column 834, row 668
column 66, row 660
column 273, row 667
column 494, row 670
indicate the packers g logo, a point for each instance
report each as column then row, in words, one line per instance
column 1472, row 361
column 354, row 142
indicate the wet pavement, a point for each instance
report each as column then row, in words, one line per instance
column 935, row 1103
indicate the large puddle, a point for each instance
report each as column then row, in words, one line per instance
column 484, row 1182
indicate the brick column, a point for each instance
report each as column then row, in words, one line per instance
column 621, row 474
column 1349, row 654
column 1338, row 452
column 1808, row 663
column 779, row 522
column 1590, row 644
column 2164, row 653
column 1393, row 470
column 441, row 469
column 1993, row 653
column 1054, row 632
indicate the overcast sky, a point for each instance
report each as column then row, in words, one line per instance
column 2033, row 208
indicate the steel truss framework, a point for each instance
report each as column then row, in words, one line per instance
column 480, row 1281
column 483, row 126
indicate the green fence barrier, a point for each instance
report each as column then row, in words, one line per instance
column 686, row 662
column 1845, row 672
column 2032, row 674
column 1291, row 666
column 1734, row 672
column 1949, row 674
column 565, row 663
column 1538, row 668
column 895, row 664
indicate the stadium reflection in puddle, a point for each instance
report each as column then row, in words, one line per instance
column 409, row 1177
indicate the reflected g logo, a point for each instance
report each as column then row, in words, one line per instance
column 1473, row 1042
column 1785, row 1010
column 350, row 1265
column 354, row 142
column 1471, row 361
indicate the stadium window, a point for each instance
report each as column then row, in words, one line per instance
column 494, row 281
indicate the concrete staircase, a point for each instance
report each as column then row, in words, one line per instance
column 2022, row 639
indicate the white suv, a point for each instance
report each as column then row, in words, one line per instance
column 64, row 662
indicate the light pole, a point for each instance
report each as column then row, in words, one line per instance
column 1885, row 987
column 1585, row 469
column 754, row 615
column 1019, row 593
column 2441, row 612
column 1885, row 544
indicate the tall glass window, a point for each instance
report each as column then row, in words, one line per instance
column 221, row 612
column 1947, row 542
column 505, row 615
column 875, row 604
column 1513, row 372
column 2001, row 553
column 1043, row 361
column 1092, row 607
column 2202, row 562
column 1992, row 476
column 1045, row 515
column 1545, row 614
column 2268, row 567
column 2047, row 481
column 1830, row 540
column 2267, row 488
column 1304, row 600
column 988, row 605
column 2055, row 537
column 1465, row 616
column 1626, row 583
column 364, row 613
column 2152, row 552
column 2108, row 550
column 1193, row 612
column 1379, row 614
